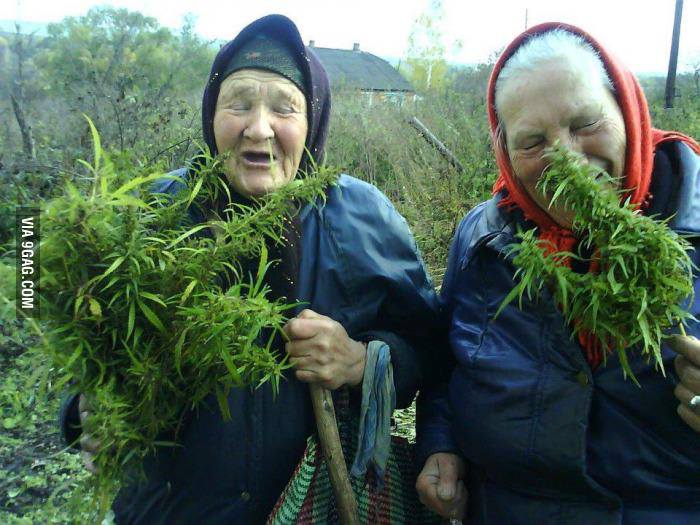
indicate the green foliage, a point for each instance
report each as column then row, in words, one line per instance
column 378, row 145
column 426, row 56
column 645, row 273
column 161, row 78
column 138, row 317
column 40, row 482
column 122, row 67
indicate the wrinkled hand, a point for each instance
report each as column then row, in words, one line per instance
column 440, row 485
column 89, row 445
column 688, row 369
column 322, row 352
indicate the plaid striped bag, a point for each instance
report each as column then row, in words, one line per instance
column 308, row 498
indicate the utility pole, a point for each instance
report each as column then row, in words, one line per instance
column 673, row 60
column 526, row 18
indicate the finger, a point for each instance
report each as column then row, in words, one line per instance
column 447, row 486
column 84, row 416
column 298, row 348
column 688, row 346
column 89, row 443
column 426, row 486
column 688, row 373
column 425, row 483
column 298, row 328
column 462, row 499
column 433, row 502
column 691, row 418
column 83, row 403
column 683, row 394
column 307, row 375
column 89, row 462
column 310, row 314
column 303, row 363
column 430, row 469
column 320, row 377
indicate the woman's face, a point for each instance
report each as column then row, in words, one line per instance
column 260, row 120
column 555, row 103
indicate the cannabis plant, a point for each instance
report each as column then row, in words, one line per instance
column 640, row 277
column 138, row 318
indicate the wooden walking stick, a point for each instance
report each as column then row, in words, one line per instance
column 333, row 452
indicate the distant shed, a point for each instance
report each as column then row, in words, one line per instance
column 373, row 76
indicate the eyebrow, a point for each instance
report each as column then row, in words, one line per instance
column 249, row 90
column 525, row 134
column 239, row 89
column 286, row 94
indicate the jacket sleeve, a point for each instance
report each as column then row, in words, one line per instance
column 69, row 421
column 433, row 413
column 386, row 282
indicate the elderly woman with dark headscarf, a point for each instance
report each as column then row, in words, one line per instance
column 350, row 260
column 533, row 428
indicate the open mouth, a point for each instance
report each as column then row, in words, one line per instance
column 258, row 158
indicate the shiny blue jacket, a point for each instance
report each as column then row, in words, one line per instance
column 548, row 440
column 359, row 266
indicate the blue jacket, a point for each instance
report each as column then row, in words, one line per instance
column 359, row 266
column 547, row 440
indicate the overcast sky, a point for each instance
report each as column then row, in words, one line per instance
column 637, row 31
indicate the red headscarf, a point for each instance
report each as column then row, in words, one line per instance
column 642, row 141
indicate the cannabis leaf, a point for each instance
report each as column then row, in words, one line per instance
column 643, row 274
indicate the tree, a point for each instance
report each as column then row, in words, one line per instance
column 695, row 67
column 18, row 76
column 426, row 55
column 129, row 74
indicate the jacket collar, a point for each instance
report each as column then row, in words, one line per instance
column 494, row 228
column 687, row 217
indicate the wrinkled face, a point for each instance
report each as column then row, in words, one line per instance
column 555, row 103
column 260, row 121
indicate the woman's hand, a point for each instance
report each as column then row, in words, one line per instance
column 89, row 445
column 322, row 352
column 688, row 370
column 440, row 485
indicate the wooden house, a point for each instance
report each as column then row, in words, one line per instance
column 358, row 70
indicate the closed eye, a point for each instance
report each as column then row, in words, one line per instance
column 532, row 145
column 284, row 109
column 240, row 106
column 585, row 125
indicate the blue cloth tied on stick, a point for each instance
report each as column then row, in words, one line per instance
column 378, row 403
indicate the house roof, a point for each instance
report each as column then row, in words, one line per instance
column 362, row 70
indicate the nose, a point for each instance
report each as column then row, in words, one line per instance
column 569, row 141
column 259, row 126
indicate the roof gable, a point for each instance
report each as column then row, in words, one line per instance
column 362, row 70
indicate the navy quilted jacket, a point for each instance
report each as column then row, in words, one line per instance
column 359, row 266
column 549, row 441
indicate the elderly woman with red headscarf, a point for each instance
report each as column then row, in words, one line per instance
column 532, row 427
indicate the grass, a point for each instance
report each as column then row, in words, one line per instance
column 38, row 478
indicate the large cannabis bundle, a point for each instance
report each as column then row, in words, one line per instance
column 137, row 315
column 644, row 273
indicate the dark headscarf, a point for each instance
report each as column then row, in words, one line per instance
column 317, row 90
column 282, row 277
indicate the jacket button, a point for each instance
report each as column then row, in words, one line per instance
column 245, row 496
column 582, row 378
